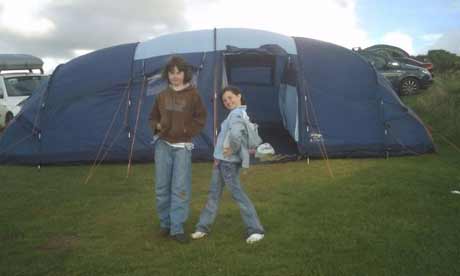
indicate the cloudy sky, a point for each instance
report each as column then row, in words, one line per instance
column 58, row 30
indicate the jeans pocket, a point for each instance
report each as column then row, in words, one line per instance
column 228, row 171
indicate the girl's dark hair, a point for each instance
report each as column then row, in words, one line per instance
column 182, row 66
column 234, row 90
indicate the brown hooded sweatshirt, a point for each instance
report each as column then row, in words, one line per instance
column 181, row 115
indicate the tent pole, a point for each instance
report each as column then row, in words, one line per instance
column 43, row 99
column 215, row 90
column 139, row 104
column 309, row 103
column 39, row 136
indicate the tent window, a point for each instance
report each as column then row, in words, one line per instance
column 251, row 75
column 156, row 84
column 250, row 69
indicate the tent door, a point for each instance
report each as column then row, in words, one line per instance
column 261, row 78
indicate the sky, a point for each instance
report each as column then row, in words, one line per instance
column 59, row 30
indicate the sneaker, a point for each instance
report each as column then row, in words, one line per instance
column 198, row 235
column 180, row 238
column 164, row 232
column 254, row 238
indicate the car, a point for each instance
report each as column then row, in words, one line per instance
column 3, row 112
column 412, row 61
column 399, row 55
column 18, row 80
column 406, row 79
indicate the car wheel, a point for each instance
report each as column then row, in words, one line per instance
column 8, row 118
column 409, row 86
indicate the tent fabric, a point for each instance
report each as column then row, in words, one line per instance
column 310, row 98
column 203, row 41
column 342, row 103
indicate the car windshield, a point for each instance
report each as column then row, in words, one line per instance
column 378, row 61
column 23, row 85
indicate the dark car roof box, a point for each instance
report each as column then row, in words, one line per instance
column 20, row 62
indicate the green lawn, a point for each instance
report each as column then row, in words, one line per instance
column 374, row 217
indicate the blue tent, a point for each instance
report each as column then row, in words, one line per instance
column 310, row 98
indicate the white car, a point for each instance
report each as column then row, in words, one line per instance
column 17, row 83
column 3, row 111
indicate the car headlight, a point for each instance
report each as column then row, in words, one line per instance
column 21, row 103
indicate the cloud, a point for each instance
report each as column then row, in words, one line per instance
column 456, row 5
column 24, row 18
column 50, row 63
column 426, row 41
column 449, row 41
column 399, row 39
column 431, row 38
column 57, row 29
column 308, row 18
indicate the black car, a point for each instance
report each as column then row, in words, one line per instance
column 399, row 55
column 413, row 61
column 406, row 79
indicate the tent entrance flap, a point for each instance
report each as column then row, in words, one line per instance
column 272, row 103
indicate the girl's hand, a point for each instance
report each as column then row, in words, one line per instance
column 158, row 126
column 252, row 151
column 227, row 152
column 216, row 163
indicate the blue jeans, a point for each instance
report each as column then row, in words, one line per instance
column 227, row 173
column 173, row 167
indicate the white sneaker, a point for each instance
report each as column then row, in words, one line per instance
column 254, row 238
column 198, row 235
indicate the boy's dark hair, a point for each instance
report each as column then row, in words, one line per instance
column 234, row 90
column 182, row 66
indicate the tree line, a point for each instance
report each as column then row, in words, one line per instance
column 443, row 61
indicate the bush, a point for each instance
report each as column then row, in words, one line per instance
column 443, row 61
column 439, row 106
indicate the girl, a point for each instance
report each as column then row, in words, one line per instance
column 228, row 161
column 176, row 117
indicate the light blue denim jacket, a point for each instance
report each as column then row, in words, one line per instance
column 232, row 135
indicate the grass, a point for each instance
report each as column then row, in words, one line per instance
column 440, row 106
column 375, row 217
